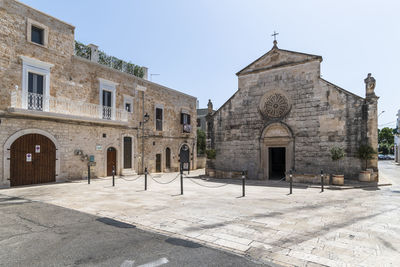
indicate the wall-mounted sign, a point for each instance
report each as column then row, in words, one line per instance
column 29, row 157
column 185, row 166
column 99, row 147
column 37, row 149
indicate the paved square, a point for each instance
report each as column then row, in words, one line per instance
column 357, row 227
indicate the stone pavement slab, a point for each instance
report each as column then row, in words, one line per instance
column 308, row 228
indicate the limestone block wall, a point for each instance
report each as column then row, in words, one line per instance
column 70, row 136
column 321, row 115
column 77, row 79
column 13, row 33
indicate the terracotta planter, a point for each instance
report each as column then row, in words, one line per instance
column 364, row 176
column 338, row 179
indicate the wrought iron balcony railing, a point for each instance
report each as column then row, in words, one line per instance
column 62, row 105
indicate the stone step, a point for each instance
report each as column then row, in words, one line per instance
column 128, row 172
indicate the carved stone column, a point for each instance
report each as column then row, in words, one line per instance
column 371, row 101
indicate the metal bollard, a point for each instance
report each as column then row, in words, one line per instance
column 113, row 174
column 243, row 183
column 88, row 176
column 145, row 178
column 181, row 180
column 322, row 181
column 291, row 181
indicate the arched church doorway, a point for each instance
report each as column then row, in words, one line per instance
column 32, row 160
column 276, row 145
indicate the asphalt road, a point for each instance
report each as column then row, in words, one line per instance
column 391, row 170
column 39, row 234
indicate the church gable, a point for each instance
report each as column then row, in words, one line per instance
column 277, row 58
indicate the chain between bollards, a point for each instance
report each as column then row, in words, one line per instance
column 322, row 181
column 290, row 181
column 181, row 179
column 145, row 179
column 88, row 176
column 113, row 176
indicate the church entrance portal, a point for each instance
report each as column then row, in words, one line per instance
column 276, row 151
column 277, row 162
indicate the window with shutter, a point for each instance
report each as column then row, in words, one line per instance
column 37, row 35
column 159, row 119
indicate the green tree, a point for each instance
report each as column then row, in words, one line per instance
column 385, row 136
column 337, row 153
column 201, row 142
column 366, row 152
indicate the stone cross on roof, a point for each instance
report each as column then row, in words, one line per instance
column 275, row 34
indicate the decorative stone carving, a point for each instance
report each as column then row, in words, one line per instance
column 370, row 84
column 274, row 105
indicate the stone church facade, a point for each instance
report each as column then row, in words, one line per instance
column 284, row 117
column 60, row 112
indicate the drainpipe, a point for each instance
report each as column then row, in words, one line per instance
column 142, row 131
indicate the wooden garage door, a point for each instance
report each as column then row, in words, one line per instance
column 33, row 160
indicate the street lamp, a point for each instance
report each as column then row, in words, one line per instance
column 381, row 113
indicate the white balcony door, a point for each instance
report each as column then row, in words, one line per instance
column 107, row 99
column 35, row 84
column 35, row 91
column 107, row 105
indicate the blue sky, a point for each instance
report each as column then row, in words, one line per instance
column 198, row 46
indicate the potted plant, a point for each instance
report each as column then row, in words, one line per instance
column 365, row 152
column 210, row 168
column 337, row 153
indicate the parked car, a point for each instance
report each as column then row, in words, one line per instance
column 381, row 157
column 390, row 156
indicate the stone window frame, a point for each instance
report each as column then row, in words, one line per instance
column 110, row 86
column 29, row 24
column 31, row 65
column 159, row 106
column 128, row 100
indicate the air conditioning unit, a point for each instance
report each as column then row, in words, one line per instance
column 187, row 128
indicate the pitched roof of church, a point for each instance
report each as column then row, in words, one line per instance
column 276, row 58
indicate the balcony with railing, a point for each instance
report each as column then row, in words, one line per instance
column 38, row 104
column 92, row 53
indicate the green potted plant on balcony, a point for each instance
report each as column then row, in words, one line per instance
column 365, row 152
column 337, row 153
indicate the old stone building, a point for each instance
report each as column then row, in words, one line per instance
column 63, row 105
column 284, row 117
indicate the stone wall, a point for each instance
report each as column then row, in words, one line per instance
column 77, row 79
column 321, row 115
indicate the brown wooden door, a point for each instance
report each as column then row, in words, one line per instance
column 127, row 152
column 168, row 158
column 158, row 162
column 111, row 160
column 33, row 160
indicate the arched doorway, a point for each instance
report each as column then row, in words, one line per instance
column 32, row 160
column 111, row 160
column 168, row 158
column 276, row 144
